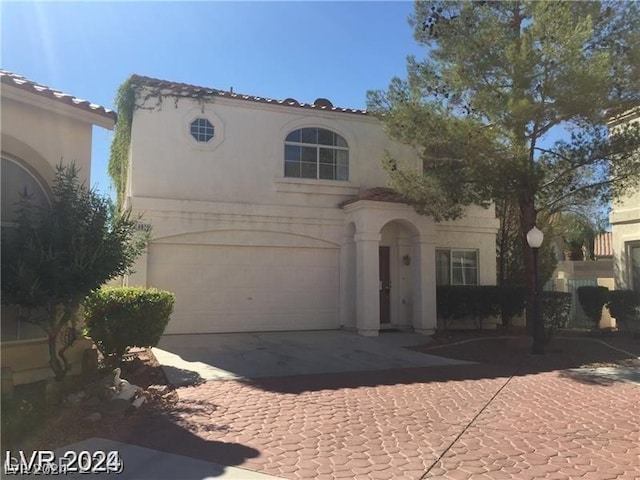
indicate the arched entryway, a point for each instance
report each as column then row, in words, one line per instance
column 395, row 266
column 387, row 268
column 19, row 182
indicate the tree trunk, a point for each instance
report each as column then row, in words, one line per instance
column 534, row 319
column 58, row 370
column 527, row 222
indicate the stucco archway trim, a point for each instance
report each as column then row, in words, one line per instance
column 238, row 237
column 28, row 157
column 370, row 218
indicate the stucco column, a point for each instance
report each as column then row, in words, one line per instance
column 368, row 284
column 347, row 283
column 424, row 284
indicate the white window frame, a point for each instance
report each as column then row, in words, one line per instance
column 218, row 129
column 631, row 282
column 451, row 252
column 317, row 147
column 202, row 130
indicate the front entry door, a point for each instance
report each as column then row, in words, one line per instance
column 385, row 285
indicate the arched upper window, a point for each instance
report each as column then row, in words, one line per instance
column 316, row 153
column 19, row 183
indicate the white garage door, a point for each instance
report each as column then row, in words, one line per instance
column 243, row 289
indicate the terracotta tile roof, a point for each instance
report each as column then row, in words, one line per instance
column 18, row 81
column 319, row 104
column 602, row 245
column 377, row 194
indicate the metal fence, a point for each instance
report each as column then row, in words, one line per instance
column 578, row 318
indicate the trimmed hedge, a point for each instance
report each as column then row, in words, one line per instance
column 592, row 299
column 118, row 318
column 465, row 301
column 455, row 302
column 479, row 302
column 513, row 299
column 624, row 306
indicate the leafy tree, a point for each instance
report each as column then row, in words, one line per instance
column 54, row 257
column 510, row 263
column 577, row 232
column 570, row 230
column 499, row 81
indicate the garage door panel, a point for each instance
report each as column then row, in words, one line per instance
column 225, row 288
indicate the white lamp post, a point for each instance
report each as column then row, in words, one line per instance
column 534, row 239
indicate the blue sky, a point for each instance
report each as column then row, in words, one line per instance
column 304, row 50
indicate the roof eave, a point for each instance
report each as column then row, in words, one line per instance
column 105, row 119
column 196, row 91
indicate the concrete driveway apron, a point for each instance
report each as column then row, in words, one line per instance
column 189, row 358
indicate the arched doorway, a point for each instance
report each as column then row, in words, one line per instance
column 396, row 277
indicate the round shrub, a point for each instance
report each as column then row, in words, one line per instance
column 513, row 299
column 624, row 306
column 592, row 299
column 118, row 318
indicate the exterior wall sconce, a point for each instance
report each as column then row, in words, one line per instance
column 406, row 260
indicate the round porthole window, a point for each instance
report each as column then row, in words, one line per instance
column 202, row 130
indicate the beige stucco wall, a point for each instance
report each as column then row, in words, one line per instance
column 27, row 361
column 567, row 269
column 625, row 229
column 625, row 220
column 247, row 149
column 476, row 231
column 39, row 133
column 43, row 138
column 211, row 199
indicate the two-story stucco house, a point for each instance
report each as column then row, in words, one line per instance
column 40, row 127
column 273, row 215
column 625, row 225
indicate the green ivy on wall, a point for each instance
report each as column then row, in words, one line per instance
column 128, row 99
column 118, row 160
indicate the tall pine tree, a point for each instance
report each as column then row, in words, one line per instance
column 499, row 81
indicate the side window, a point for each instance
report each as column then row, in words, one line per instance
column 634, row 266
column 456, row 267
column 316, row 153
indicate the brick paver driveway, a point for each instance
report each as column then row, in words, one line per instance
column 513, row 416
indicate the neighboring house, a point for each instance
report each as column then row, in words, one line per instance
column 570, row 275
column 40, row 127
column 625, row 225
column 273, row 215
column 602, row 247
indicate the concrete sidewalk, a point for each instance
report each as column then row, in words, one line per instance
column 191, row 358
column 140, row 463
